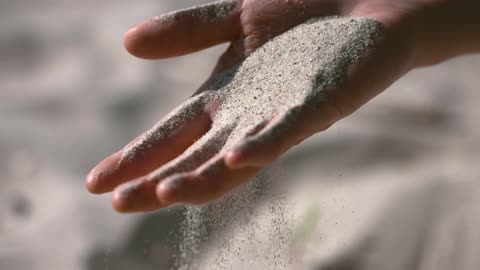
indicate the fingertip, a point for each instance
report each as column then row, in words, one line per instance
column 252, row 156
column 247, row 154
column 165, row 194
column 136, row 196
column 154, row 39
column 135, row 41
column 128, row 40
column 234, row 159
column 168, row 190
column 92, row 183
column 99, row 178
column 120, row 203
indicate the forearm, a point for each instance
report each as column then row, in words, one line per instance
column 446, row 28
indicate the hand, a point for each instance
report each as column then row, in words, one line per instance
column 156, row 170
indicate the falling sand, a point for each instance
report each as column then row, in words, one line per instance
column 279, row 80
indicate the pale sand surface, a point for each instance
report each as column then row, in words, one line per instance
column 71, row 95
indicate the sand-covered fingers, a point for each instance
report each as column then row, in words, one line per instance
column 165, row 141
column 139, row 194
column 282, row 133
column 185, row 31
column 195, row 156
column 209, row 182
column 136, row 196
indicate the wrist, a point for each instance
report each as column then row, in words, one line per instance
column 428, row 31
column 398, row 20
column 444, row 29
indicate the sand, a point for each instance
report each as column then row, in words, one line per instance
column 281, row 79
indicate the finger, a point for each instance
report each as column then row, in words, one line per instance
column 282, row 133
column 196, row 155
column 207, row 183
column 185, row 31
column 139, row 195
column 136, row 196
column 166, row 140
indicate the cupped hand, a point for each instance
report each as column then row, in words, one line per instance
column 220, row 138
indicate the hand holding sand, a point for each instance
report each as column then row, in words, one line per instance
column 254, row 108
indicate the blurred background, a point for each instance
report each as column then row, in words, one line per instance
column 71, row 95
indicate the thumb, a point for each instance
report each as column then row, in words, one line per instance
column 185, row 31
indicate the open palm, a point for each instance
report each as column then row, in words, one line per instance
column 214, row 149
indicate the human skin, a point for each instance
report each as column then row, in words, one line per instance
column 415, row 33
